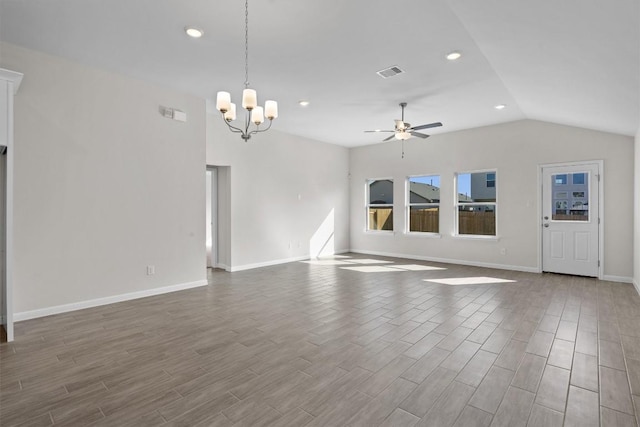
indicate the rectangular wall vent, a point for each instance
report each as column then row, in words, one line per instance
column 390, row 72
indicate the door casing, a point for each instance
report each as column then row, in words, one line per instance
column 601, row 201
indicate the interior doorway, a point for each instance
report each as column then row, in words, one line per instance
column 571, row 217
column 212, row 217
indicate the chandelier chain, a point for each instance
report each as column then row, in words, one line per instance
column 246, row 43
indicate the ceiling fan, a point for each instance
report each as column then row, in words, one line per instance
column 404, row 130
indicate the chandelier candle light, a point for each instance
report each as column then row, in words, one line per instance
column 254, row 113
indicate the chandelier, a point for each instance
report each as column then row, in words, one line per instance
column 254, row 114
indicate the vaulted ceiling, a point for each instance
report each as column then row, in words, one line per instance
column 573, row 62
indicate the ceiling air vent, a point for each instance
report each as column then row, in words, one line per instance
column 390, row 72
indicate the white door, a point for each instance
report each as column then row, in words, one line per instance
column 570, row 206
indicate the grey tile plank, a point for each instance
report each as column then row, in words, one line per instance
column 545, row 417
column 449, row 406
column 492, row 389
column 529, row 372
column 582, row 408
column 514, row 409
column 553, row 388
column 614, row 390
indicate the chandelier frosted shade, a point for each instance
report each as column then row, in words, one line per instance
column 223, row 102
column 249, row 99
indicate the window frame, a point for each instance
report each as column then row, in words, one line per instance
column 409, row 205
column 457, row 204
column 368, row 206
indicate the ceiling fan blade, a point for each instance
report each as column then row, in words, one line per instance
column 420, row 135
column 378, row 131
column 430, row 125
column 388, row 139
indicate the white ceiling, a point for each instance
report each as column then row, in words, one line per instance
column 575, row 62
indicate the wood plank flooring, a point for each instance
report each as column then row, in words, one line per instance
column 350, row 340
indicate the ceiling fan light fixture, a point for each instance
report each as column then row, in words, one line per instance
column 403, row 136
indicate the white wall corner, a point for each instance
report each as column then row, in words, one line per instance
column 48, row 311
column 636, row 284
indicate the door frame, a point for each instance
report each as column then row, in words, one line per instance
column 214, row 216
column 600, row 194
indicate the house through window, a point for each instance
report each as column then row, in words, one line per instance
column 476, row 203
column 380, row 205
column 423, row 207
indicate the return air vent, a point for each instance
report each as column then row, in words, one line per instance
column 390, row 72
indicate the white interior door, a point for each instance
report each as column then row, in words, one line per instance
column 570, row 219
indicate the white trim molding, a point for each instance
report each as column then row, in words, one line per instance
column 48, row 311
column 619, row 279
column 233, row 269
column 450, row 261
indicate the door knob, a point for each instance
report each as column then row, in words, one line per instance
column 546, row 225
column 546, row 217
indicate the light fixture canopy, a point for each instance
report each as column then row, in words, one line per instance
column 500, row 107
column 303, row 103
column 254, row 114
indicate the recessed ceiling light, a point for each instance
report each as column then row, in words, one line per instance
column 500, row 107
column 303, row 103
column 194, row 32
column 378, row 130
column 453, row 56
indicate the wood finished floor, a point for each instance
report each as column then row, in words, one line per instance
column 320, row 344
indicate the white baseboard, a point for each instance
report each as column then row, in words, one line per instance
column 266, row 263
column 620, row 279
column 451, row 261
column 42, row 312
column 277, row 262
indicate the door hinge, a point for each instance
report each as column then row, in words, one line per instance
column 598, row 263
column 598, row 220
column 598, row 176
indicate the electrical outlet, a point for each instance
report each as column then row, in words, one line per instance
column 151, row 270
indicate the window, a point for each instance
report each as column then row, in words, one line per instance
column 491, row 180
column 560, row 179
column 380, row 204
column 423, row 208
column 476, row 203
column 579, row 178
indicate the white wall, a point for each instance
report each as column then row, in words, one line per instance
column 288, row 196
column 104, row 185
column 515, row 150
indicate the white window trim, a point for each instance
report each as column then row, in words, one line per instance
column 408, row 205
column 367, row 194
column 455, row 233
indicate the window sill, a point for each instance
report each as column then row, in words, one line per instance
column 423, row 235
column 475, row 237
column 381, row 232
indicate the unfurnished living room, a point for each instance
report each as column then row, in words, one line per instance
column 319, row 213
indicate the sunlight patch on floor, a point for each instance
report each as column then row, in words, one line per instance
column 457, row 281
column 327, row 262
column 416, row 267
column 372, row 269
